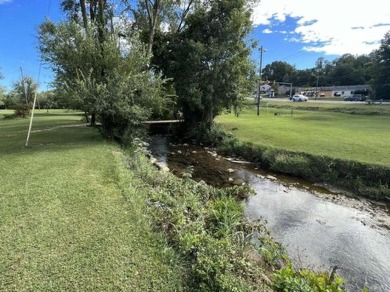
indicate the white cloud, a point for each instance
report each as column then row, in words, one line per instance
column 267, row 30
column 5, row 1
column 328, row 26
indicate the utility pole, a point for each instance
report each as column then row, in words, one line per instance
column 287, row 83
column 317, row 76
column 258, row 91
column 31, row 117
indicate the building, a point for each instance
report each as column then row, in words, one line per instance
column 332, row 91
column 267, row 90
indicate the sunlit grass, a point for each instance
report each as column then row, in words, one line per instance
column 364, row 138
column 71, row 218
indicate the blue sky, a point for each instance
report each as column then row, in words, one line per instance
column 301, row 31
column 295, row 31
column 19, row 21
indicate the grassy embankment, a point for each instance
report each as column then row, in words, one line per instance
column 79, row 213
column 344, row 145
column 70, row 217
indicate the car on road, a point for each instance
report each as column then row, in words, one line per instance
column 355, row 97
column 299, row 97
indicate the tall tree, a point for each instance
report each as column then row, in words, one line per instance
column 24, row 90
column 278, row 71
column 381, row 69
column 154, row 16
column 97, row 75
column 153, row 9
column 208, row 59
column 2, row 96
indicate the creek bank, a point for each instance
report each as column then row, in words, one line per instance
column 218, row 170
column 318, row 214
column 361, row 179
column 206, row 227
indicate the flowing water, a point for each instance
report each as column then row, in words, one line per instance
column 320, row 229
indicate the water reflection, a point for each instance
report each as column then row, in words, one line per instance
column 318, row 229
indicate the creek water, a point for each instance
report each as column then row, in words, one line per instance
column 319, row 228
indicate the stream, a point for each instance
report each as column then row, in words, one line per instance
column 318, row 227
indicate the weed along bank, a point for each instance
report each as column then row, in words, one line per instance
column 319, row 228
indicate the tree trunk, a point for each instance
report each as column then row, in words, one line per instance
column 84, row 15
column 85, row 115
column 93, row 119
column 153, row 13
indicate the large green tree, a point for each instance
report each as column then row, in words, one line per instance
column 2, row 97
column 152, row 17
column 208, row 59
column 95, row 73
column 381, row 69
column 24, row 90
column 278, row 71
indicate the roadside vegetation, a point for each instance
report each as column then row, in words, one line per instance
column 342, row 150
column 80, row 213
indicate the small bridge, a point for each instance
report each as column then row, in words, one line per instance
column 163, row 122
column 163, row 126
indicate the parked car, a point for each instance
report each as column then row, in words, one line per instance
column 299, row 97
column 355, row 97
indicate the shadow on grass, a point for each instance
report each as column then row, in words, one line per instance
column 13, row 139
column 322, row 118
column 57, row 113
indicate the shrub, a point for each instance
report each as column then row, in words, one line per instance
column 224, row 217
column 288, row 279
column 208, row 135
column 273, row 253
column 292, row 163
column 205, row 225
column 21, row 110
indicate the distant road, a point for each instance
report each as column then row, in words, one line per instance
column 323, row 101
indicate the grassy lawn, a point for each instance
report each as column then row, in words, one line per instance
column 364, row 138
column 72, row 217
column 323, row 105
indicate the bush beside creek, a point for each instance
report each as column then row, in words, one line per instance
column 206, row 226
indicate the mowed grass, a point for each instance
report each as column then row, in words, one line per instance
column 364, row 138
column 73, row 217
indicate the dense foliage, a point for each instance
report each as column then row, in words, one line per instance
column 303, row 280
column 21, row 97
column 96, row 74
column 208, row 60
column 345, row 70
column 372, row 69
column 381, row 72
column 103, row 64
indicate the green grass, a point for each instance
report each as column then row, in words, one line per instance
column 73, row 216
column 364, row 138
column 350, row 107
